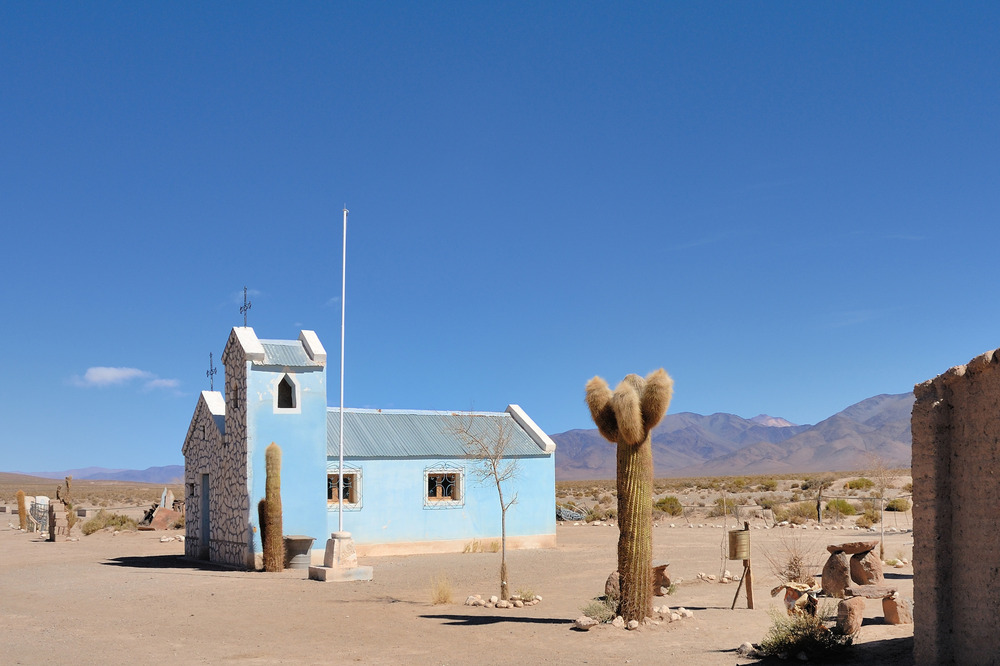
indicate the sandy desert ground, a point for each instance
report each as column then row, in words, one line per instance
column 130, row 598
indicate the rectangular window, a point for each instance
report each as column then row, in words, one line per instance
column 444, row 486
column 352, row 488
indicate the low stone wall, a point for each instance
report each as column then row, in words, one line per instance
column 956, row 488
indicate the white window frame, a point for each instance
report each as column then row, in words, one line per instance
column 358, row 488
column 444, row 503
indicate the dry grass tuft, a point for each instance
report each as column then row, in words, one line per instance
column 440, row 590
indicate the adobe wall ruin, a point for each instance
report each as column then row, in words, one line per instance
column 956, row 488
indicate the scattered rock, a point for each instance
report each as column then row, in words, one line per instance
column 632, row 625
column 470, row 600
column 802, row 656
column 494, row 599
column 675, row 617
column 746, row 649
column 584, row 623
column 684, row 612
column 518, row 604
column 618, row 622
column 165, row 539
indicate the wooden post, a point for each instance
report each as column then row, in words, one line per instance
column 747, row 576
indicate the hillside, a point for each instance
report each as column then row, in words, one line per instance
column 688, row 444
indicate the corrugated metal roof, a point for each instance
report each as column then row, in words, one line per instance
column 286, row 353
column 390, row 433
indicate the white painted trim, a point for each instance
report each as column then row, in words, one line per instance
column 313, row 346
column 215, row 402
column 543, row 441
column 252, row 347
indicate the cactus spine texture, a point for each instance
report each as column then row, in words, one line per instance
column 626, row 418
column 22, row 510
column 271, row 535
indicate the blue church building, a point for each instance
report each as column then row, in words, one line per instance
column 410, row 480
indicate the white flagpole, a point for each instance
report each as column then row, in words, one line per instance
column 343, row 310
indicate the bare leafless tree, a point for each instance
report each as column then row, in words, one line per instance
column 882, row 477
column 486, row 438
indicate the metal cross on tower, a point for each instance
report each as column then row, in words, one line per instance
column 210, row 373
column 246, row 306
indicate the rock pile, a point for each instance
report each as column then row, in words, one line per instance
column 495, row 602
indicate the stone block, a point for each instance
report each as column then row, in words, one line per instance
column 340, row 574
column 866, row 568
column 854, row 547
column 897, row 610
column 850, row 614
column 870, row 591
column 340, row 551
column 836, row 574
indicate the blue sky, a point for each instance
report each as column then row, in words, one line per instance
column 789, row 206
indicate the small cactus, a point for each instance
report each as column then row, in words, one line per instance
column 22, row 510
column 272, row 542
column 626, row 418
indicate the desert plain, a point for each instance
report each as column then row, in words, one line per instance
column 132, row 598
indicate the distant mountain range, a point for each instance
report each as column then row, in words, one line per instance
column 166, row 474
column 688, row 444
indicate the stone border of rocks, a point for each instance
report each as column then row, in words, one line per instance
column 495, row 602
column 663, row 614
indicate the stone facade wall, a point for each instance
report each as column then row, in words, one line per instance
column 956, row 488
column 202, row 438
column 231, row 533
column 223, row 457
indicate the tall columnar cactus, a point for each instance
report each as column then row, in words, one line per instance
column 22, row 510
column 626, row 418
column 272, row 542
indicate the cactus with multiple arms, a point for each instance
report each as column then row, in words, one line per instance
column 626, row 417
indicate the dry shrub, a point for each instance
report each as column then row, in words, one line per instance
column 103, row 519
column 494, row 546
column 474, row 546
column 794, row 559
column 769, row 485
column 722, row 506
column 440, row 590
column 860, row 483
column 669, row 505
column 801, row 632
column 839, row 507
column 897, row 504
